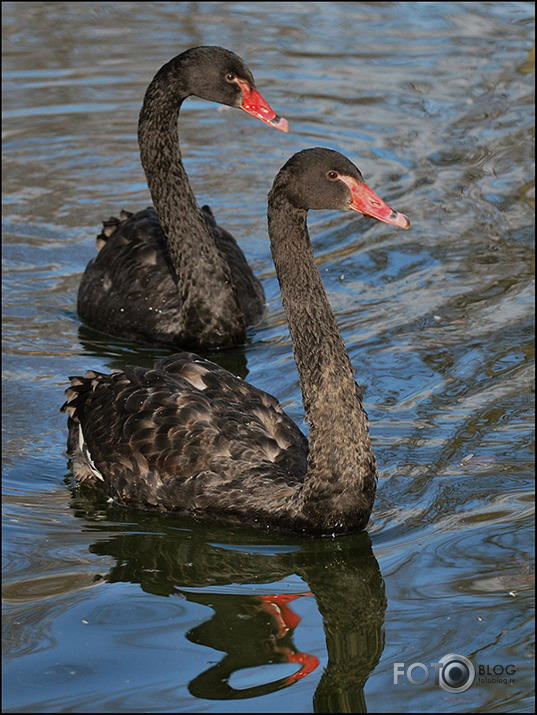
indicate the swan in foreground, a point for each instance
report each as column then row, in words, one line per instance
column 189, row 437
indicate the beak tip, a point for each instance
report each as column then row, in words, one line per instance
column 399, row 219
column 404, row 222
column 280, row 123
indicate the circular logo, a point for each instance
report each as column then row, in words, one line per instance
column 457, row 673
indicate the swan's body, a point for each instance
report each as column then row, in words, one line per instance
column 171, row 274
column 188, row 436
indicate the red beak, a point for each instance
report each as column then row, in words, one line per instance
column 366, row 201
column 254, row 104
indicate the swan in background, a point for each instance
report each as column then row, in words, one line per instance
column 170, row 274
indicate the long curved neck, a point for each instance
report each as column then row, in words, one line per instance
column 341, row 478
column 198, row 263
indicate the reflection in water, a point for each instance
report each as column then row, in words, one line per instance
column 120, row 352
column 253, row 631
column 169, row 557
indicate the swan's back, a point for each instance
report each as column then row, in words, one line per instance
column 185, row 436
column 130, row 288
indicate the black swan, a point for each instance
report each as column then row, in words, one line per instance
column 170, row 274
column 188, row 436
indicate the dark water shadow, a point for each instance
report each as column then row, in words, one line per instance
column 119, row 352
column 173, row 557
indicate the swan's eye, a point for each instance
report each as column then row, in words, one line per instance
column 230, row 77
column 332, row 175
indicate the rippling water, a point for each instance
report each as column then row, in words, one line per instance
column 110, row 610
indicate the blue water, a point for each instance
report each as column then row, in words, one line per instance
column 109, row 610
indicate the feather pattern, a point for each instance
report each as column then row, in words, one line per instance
column 183, row 436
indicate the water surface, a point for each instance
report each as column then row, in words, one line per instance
column 111, row 610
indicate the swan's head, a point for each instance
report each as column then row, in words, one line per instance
column 218, row 75
column 325, row 179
